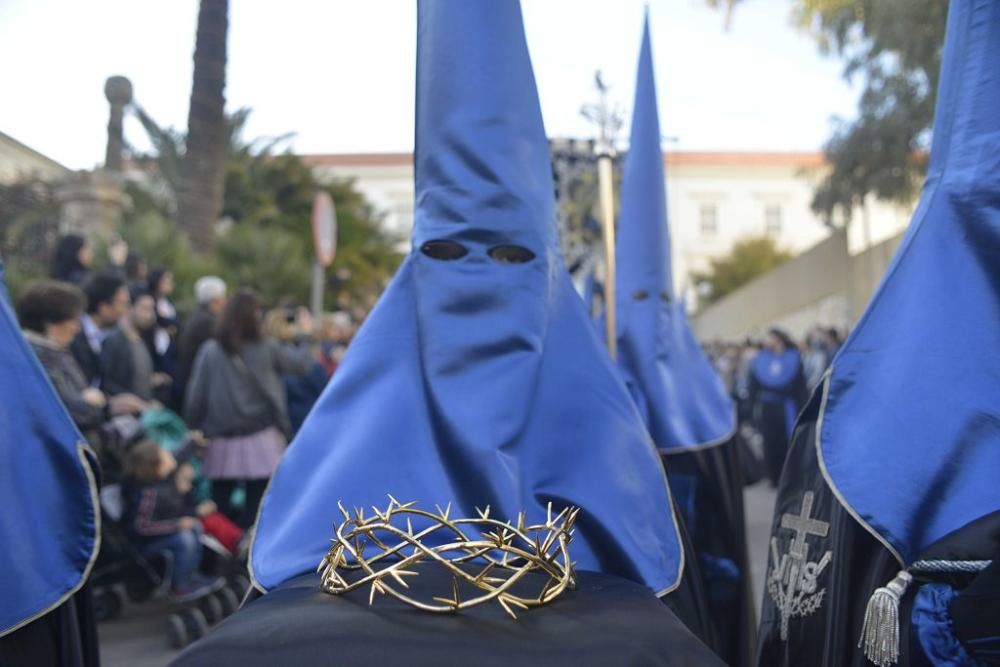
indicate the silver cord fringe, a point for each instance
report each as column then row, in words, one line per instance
column 880, row 630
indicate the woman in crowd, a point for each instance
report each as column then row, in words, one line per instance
column 49, row 312
column 72, row 259
column 236, row 398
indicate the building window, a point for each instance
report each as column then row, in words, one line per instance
column 772, row 219
column 709, row 216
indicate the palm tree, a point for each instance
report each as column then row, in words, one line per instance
column 202, row 171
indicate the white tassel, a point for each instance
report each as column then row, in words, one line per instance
column 880, row 631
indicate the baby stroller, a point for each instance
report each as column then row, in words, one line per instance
column 122, row 575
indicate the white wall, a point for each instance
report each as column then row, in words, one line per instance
column 19, row 161
column 742, row 186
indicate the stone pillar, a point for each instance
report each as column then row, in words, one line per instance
column 91, row 204
column 118, row 90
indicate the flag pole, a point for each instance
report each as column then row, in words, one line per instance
column 608, row 122
column 605, row 180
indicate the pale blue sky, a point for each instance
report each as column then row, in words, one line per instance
column 339, row 73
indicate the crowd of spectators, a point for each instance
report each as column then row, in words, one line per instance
column 233, row 381
column 237, row 382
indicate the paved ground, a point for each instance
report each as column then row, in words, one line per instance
column 759, row 501
column 137, row 639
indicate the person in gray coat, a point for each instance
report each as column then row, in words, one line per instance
column 237, row 399
column 49, row 312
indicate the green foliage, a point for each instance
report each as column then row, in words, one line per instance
column 268, row 245
column 895, row 45
column 155, row 236
column 749, row 257
column 29, row 225
column 270, row 260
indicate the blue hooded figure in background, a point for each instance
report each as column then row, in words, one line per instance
column 680, row 396
column 477, row 379
column 887, row 524
column 50, row 524
column 777, row 391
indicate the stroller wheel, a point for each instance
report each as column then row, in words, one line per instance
column 177, row 634
column 240, row 584
column 108, row 604
column 195, row 623
column 212, row 608
column 229, row 600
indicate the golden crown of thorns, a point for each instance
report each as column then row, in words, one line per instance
column 488, row 554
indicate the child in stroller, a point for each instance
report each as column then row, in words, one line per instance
column 161, row 515
column 155, row 546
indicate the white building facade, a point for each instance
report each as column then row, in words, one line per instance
column 20, row 162
column 713, row 200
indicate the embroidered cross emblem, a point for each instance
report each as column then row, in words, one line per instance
column 803, row 527
column 791, row 582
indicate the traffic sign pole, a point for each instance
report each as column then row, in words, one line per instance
column 324, row 228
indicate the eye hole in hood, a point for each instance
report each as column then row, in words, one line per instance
column 640, row 295
column 444, row 250
column 665, row 297
column 511, row 254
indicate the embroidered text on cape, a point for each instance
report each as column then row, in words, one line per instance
column 791, row 582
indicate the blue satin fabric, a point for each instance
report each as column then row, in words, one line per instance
column 682, row 399
column 910, row 430
column 49, row 520
column 932, row 632
column 776, row 371
column 476, row 382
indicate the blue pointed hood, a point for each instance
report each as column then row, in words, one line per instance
column 477, row 379
column 679, row 394
column 909, row 429
column 50, row 519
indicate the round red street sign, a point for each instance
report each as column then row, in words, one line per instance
column 324, row 224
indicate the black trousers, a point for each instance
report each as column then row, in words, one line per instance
column 222, row 494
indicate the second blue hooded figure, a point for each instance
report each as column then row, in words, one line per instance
column 681, row 398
